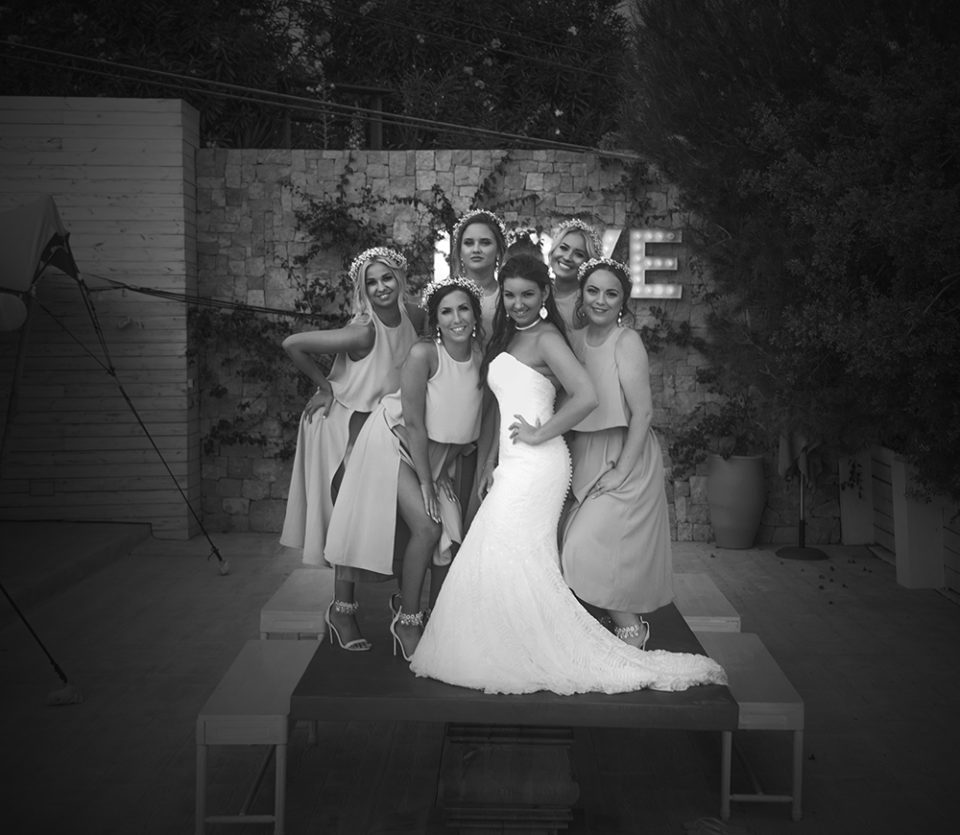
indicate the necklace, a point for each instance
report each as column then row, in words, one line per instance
column 526, row 327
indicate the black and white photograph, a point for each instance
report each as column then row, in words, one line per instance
column 479, row 417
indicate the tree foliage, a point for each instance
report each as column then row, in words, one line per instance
column 270, row 45
column 543, row 68
column 532, row 68
column 817, row 144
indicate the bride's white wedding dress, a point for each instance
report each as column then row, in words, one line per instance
column 505, row 620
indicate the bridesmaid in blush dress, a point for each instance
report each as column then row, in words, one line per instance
column 574, row 242
column 616, row 539
column 405, row 456
column 368, row 351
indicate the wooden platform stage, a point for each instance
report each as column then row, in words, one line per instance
column 500, row 762
column 341, row 686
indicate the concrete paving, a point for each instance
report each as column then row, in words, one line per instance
column 146, row 633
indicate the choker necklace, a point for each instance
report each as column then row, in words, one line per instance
column 526, row 327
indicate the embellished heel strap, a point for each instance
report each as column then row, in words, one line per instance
column 624, row 632
column 343, row 607
column 414, row 619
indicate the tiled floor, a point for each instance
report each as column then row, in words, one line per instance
column 147, row 636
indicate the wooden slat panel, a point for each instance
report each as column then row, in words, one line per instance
column 122, row 173
column 135, row 161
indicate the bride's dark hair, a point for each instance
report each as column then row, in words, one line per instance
column 532, row 269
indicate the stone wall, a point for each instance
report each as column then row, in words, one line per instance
column 247, row 232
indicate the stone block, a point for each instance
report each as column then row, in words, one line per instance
column 698, row 488
column 254, row 267
column 266, row 515
column 237, row 522
column 236, row 506
column 680, row 504
column 238, row 468
column 426, row 179
column 533, row 182
column 254, row 489
column 467, row 175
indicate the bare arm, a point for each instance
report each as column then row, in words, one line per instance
column 421, row 362
column 633, row 368
column 581, row 396
column 490, row 441
column 303, row 348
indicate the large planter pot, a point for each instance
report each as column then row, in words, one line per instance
column 736, row 494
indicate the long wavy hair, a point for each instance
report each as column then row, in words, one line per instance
column 622, row 273
column 488, row 219
column 533, row 269
column 360, row 308
column 433, row 305
column 588, row 233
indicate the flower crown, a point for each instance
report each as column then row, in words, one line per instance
column 586, row 228
column 460, row 281
column 596, row 263
column 522, row 233
column 391, row 256
column 472, row 217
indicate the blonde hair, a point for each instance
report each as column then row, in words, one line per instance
column 588, row 233
column 360, row 310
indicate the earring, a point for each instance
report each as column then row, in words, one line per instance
column 620, row 318
column 438, row 335
column 543, row 311
column 473, row 333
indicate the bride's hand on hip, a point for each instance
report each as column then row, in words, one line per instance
column 521, row 431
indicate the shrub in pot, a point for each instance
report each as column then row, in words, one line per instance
column 726, row 434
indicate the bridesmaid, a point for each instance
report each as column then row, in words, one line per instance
column 574, row 242
column 477, row 248
column 368, row 351
column 404, row 459
column 616, row 540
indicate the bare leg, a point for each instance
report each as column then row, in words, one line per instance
column 344, row 592
column 424, row 535
column 438, row 573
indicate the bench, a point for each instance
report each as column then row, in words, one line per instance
column 703, row 606
column 767, row 702
column 251, row 706
column 297, row 608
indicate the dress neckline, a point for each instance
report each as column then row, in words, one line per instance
column 529, row 368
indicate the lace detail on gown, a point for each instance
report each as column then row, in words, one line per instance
column 505, row 621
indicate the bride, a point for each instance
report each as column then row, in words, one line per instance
column 505, row 621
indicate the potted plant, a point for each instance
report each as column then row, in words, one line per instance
column 727, row 434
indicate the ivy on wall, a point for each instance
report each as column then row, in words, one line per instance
column 241, row 362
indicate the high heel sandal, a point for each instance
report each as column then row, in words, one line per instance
column 403, row 619
column 341, row 607
column 633, row 631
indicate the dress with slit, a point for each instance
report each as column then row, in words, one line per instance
column 615, row 550
column 323, row 444
column 363, row 524
column 505, row 620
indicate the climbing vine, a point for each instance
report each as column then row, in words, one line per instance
column 240, row 359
